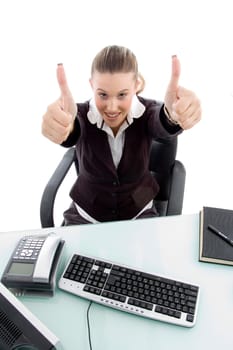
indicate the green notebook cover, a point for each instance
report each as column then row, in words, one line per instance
column 213, row 248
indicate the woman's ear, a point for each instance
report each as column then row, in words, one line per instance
column 140, row 84
column 91, row 83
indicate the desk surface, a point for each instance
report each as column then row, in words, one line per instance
column 168, row 246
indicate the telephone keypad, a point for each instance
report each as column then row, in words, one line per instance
column 28, row 249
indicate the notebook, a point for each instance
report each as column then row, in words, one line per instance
column 212, row 247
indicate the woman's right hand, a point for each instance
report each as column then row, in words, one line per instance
column 58, row 121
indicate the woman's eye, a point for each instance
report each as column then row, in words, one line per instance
column 121, row 96
column 102, row 95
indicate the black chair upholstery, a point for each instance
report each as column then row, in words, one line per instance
column 169, row 172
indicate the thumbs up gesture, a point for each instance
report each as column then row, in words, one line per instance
column 58, row 120
column 182, row 105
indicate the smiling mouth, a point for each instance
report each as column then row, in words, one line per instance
column 112, row 115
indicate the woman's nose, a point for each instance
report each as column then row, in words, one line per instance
column 112, row 105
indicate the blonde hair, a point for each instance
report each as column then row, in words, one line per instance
column 117, row 59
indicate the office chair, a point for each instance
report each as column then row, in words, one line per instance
column 168, row 171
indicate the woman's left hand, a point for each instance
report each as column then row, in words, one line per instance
column 182, row 104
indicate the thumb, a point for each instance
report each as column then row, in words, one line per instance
column 62, row 81
column 66, row 95
column 175, row 74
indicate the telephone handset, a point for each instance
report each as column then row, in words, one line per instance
column 33, row 264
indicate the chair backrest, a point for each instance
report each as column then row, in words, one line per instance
column 169, row 172
column 162, row 160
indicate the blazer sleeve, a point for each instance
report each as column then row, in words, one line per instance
column 159, row 126
column 74, row 135
column 167, row 124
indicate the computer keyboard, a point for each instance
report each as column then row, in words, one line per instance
column 131, row 290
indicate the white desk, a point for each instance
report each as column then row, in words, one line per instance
column 162, row 245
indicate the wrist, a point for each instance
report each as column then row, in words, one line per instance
column 171, row 120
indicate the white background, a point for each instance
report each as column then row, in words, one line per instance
column 36, row 35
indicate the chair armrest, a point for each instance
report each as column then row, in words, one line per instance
column 175, row 202
column 50, row 191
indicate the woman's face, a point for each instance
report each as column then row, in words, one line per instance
column 113, row 96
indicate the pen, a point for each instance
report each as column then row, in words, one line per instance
column 220, row 234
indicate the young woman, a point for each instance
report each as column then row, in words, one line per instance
column 113, row 132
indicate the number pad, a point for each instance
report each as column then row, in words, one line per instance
column 29, row 248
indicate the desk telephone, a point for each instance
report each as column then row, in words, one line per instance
column 33, row 264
